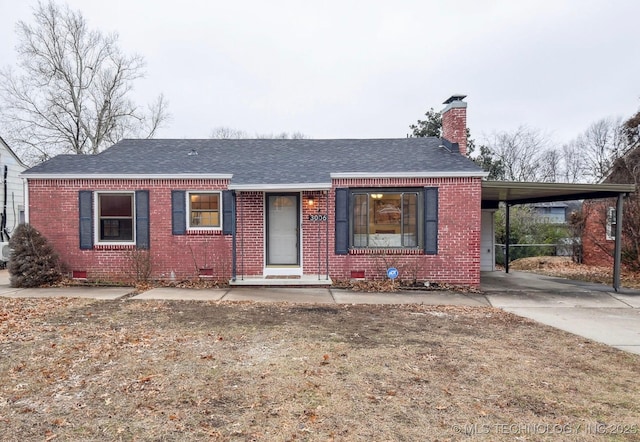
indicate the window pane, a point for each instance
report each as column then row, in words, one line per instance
column 204, row 209
column 204, row 201
column 115, row 217
column 116, row 229
column 386, row 219
column 410, row 220
column 386, row 213
column 116, row 205
column 205, row 219
column 360, row 222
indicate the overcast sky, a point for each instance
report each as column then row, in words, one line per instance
column 368, row 69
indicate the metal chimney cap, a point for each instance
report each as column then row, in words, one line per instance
column 456, row 97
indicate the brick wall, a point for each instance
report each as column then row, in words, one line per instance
column 596, row 249
column 314, row 232
column 53, row 209
column 458, row 258
column 250, row 233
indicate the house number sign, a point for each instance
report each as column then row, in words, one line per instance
column 317, row 217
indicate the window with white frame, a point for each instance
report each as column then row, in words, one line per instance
column 115, row 217
column 611, row 223
column 204, row 210
column 386, row 219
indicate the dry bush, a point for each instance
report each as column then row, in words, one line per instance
column 33, row 262
column 140, row 266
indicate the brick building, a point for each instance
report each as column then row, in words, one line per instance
column 600, row 217
column 247, row 210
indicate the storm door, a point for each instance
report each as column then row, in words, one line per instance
column 283, row 233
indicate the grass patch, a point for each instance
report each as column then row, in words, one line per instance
column 154, row 370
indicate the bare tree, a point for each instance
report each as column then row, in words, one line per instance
column 572, row 163
column 283, row 136
column 631, row 130
column 521, row 154
column 550, row 170
column 228, row 133
column 599, row 146
column 70, row 91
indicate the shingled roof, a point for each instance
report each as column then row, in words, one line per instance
column 265, row 161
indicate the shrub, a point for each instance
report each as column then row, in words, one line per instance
column 33, row 262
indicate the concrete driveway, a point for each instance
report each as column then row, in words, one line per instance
column 594, row 311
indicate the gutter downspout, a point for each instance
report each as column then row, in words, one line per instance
column 326, row 199
column 319, row 235
column 3, row 224
column 25, row 194
column 242, row 240
column 506, row 241
column 234, row 270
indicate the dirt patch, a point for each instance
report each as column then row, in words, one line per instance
column 153, row 370
column 564, row 267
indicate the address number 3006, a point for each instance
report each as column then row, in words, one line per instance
column 317, row 217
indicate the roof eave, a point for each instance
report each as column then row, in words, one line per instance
column 110, row 176
column 13, row 154
column 479, row 174
column 514, row 192
column 271, row 187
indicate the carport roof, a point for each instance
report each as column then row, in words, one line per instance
column 522, row 193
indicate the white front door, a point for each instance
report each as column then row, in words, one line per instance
column 283, row 234
column 487, row 238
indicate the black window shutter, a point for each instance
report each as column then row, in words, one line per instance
column 342, row 221
column 431, row 220
column 142, row 219
column 85, row 210
column 178, row 212
column 228, row 212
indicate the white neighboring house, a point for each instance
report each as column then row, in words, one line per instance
column 11, row 196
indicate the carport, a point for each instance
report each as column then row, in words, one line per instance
column 514, row 193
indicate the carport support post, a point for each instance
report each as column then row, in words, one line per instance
column 617, row 253
column 506, row 240
column 234, row 263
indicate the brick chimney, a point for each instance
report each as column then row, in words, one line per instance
column 454, row 122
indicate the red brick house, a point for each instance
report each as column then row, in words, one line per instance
column 599, row 234
column 247, row 210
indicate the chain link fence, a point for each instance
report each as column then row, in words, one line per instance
column 570, row 248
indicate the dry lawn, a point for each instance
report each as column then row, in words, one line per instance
column 78, row 370
column 564, row 267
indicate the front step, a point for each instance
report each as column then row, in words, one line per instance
column 282, row 281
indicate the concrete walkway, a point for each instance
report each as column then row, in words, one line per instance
column 314, row 296
column 317, row 295
column 594, row 311
column 60, row 292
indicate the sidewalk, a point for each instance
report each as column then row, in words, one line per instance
column 314, row 296
column 257, row 294
column 60, row 292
